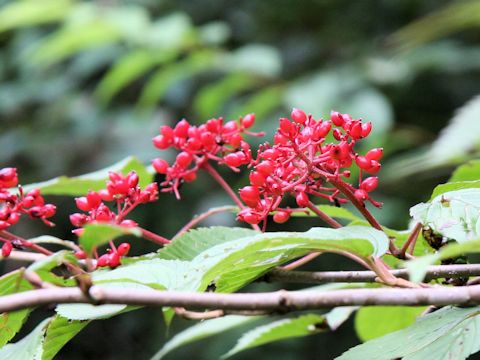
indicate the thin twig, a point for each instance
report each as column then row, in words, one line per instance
column 412, row 238
column 322, row 277
column 329, row 220
column 280, row 301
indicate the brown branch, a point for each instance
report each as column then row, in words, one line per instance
column 280, row 301
column 308, row 277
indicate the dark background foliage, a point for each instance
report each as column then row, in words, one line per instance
column 64, row 109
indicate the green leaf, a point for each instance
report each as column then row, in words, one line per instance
column 417, row 268
column 127, row 69
column 31, row 12
column 287, row 328
column 211, row 98
column 193, row 242
column 453, row 214
column 448, row 333
column 155, row 273
column 203, row 330
column 96, row 234
column 233, row 264
column 452, row 186
column 80, row 185
column 44, row 267
column 12, row 322
column 59, row 331
column 333, row 211
column 29, row 348
column 467, row 172
column 374, row 321
column 163, row 79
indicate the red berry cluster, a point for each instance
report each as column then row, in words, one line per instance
column 15, row 204
column 301, row 162
column 124, row 191
column 214, row 140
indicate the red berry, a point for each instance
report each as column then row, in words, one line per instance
column 230, row 126
column 191, row 176
column 103, row 260
column 361, row 195
column 256, row 178
column 8, row 177
column 233, row 160
column 265, row 167
column 129, row 223
column 281, row 217
column 80, row 254
column 82, row 204
column 160, row 165
column 374, row 154
column 105, row 195
column 337, row 118
column 337, row 134
column 49, row 210
column 184, row 159
column 13, row 218
column 363, row 163
column 132, row 179
column 374, row 168
column 161, row 142
column 123, row 249
column 286, row 127
column 7, row 249
column 248, row 121
column 298, row 116
column 366, row 129
column 279, row 139
column 302, row 199
column 94, row 199
column 181, row 129
column 369, row 184
column 250, row 218
column 250, row 195
column 322, row 130
column 356, row 130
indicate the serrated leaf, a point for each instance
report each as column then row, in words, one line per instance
column 374, row 321
column 59, row 331
column 448, row 333
column 29, row 348
column 203, row 330
column 193, row 242
column 453, row 214
column 279, row 330
column 12, row 322
column 417, row 268
column 80, row 185
column 44, row 267
column 235, row 263
column 155, row 273
column 91, row 312
column 96, row 234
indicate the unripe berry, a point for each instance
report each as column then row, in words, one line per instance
column 248, row 121
column 302, row 199
column 374, row 154
column 250, row 195
column 281, row 217
column 369, row 184
column 7, row 249
column 298, row 116
column 160, row 165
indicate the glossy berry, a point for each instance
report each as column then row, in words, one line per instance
column 123, row 249
column 302, row 199
column 374, row 154
column 369, row 184
column 248, row 121
column 281, row 217
column 160, row 165
column 298, row 116
column 250, row 195
column 7, row 249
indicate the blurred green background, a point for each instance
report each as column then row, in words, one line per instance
column 84, row 84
